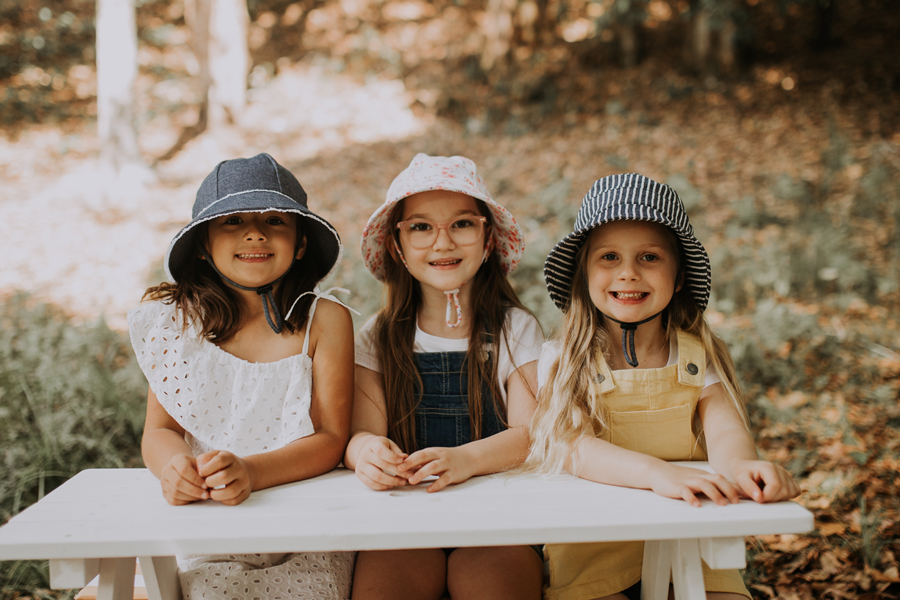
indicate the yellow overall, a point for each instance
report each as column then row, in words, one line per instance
column 653, row 411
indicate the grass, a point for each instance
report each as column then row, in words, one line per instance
column 71, row 398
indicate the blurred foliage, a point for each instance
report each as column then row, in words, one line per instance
column 71, row 398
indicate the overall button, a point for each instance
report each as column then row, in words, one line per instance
column 599, row 378
column 692, row 369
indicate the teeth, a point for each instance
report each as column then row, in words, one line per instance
column 252, row 255
column 629, row 296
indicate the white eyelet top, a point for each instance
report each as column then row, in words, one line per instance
column 222, row 402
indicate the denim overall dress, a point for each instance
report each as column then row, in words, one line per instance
column 442, row 415
column 653, row 411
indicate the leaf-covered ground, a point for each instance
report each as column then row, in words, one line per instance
column 790, row 170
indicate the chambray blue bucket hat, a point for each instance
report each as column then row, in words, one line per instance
column 629, row 197
column 257, row 184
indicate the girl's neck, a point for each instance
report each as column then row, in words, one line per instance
column 432, row 313
column 651, row 345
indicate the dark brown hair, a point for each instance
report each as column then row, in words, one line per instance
column 204, row 299
column 395, row 330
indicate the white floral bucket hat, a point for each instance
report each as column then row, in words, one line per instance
column 454, row 174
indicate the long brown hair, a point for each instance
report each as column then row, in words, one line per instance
column 569, row 407
column 394, row 334
column 205, row 300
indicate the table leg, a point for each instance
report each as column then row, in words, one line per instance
column 723, row 553
column 687, row 572
column 655, row 570
column 116, row 579
column 161, row 577
column 68, row 573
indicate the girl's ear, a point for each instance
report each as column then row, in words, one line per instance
column 301, row 248
column 680, row 283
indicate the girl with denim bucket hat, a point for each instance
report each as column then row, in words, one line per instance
column 636, row 378
column 231, row 348
column 445, row 372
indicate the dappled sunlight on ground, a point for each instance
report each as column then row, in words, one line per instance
column 66, row 244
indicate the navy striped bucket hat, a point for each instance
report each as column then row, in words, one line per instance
column 628, row 197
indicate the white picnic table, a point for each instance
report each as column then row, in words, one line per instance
column 102, row 519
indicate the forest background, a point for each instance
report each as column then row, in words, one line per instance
column 776, row 121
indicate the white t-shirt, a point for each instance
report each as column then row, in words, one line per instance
column 524, row 345
column 551, row 351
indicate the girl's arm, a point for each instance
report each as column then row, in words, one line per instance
column 490, row 455
column 603, row 462
column 169, row 457
column 732, row 452
column 332, row 372
column 373, row 456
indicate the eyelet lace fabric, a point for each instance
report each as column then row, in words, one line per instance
column 226, row 403
column 307, row 575
column 222, row 401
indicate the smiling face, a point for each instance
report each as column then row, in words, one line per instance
column 446, row 264
column 254, row 249
column 632, row 267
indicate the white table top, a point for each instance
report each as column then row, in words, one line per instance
column 121, row 513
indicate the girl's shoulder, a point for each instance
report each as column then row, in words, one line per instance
column 521, row 327
column 331, row 321
column 155, row 315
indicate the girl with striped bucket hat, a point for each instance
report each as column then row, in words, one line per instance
column 636, row 378
column 444, row 371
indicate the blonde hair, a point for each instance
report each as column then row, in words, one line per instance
column 569, row 407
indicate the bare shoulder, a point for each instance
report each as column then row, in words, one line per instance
column 331, row 324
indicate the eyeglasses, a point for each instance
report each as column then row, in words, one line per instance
column 422, row 234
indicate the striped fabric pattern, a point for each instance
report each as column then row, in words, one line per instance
column 631, row 197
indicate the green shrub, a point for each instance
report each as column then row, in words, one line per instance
column 71, row 398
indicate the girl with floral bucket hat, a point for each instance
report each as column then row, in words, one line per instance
column 445, row 372
column 230, row 349
column 636, row 378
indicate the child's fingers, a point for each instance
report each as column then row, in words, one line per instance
column 711, row 491
column 748, row 485
column 375, row 478
column 435, row 467
column 688, row 496
column 415, row 460
column 440, row 483
column 213, row 462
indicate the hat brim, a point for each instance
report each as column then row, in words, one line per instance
column 323, row 241
column 561, row 266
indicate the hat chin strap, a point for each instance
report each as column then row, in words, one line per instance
column 264, row 291
column 628, row 330
column 452, row 295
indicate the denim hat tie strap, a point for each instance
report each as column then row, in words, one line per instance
column 628, row 330
column 264, row 291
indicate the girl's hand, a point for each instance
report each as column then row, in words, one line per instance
column 673, row 481
column 228, row 477
column 378, row 464
column 763, row 481
column 453, row 465
column 181, row 484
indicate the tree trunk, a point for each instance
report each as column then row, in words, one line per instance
column 116, row 74
column 727, row 43
column 498, row 32
column 197, row 16
column 700, row 39
column 229, row 59
column 628, row 44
